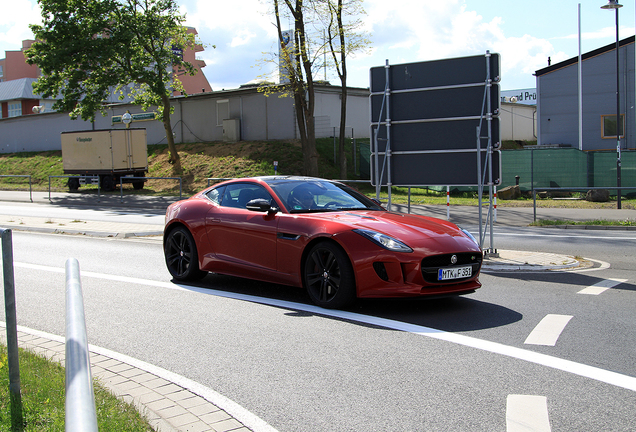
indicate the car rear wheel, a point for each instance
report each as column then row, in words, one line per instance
column 328, row 276
column 181, row 256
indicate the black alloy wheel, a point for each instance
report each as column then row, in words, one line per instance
column 181, row 256
column 328, row 276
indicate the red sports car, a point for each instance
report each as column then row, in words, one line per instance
column 317, row 234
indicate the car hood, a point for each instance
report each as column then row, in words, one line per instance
column 419, row 232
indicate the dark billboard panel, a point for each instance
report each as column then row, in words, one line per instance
column 432, row 111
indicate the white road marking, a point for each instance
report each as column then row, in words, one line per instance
column 527, row 414
column 602, row 286
column 235, row 410
column 548, row 330
column 595, row 373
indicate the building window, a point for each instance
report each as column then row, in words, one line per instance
column 15, row 109
column 608, row 126
column 222, row 111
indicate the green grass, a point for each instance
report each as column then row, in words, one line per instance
column 223, row 160
column 43, row 399
column 598, row 222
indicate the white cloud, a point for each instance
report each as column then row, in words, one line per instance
column 14, row 22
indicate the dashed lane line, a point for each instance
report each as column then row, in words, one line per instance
column 525, row 413
column 548, row 330
column 602, row 286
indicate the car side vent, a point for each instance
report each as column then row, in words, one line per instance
column 380, row 270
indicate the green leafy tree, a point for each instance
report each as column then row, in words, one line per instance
column 342, row 19
column 298, row 65
column 86, row 49
column 323, row 29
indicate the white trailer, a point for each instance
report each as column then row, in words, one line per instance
column 107, row 154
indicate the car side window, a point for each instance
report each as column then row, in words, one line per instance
column 239, row 194
column 216, row 194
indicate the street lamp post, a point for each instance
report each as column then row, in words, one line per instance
column 613, row 4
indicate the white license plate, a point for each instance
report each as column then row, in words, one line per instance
column 454, row 273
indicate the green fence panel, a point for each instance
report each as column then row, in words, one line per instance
column 566, row 167
column 553, row 167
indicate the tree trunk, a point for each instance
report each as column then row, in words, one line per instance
column 342, row 154
column 173, row 155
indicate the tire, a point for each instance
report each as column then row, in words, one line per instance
column 107, row 183
column 138, row 184
column 328, row 276
column 181, row 256
column 73, row 184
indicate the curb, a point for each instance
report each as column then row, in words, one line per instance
column 591, row 227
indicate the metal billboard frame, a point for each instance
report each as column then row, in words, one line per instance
column 483, row 155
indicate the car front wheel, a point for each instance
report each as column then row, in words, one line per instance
column 181, row 256
column 328, row 276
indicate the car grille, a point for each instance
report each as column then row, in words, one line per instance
column 431, row 265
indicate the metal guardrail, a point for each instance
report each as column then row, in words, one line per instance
column 132, row 179
column 23, row 176
column 80, row 176
column 570, row 189
column 80, row 398
column 17, row 422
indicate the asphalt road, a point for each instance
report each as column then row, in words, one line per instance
column 483, row 362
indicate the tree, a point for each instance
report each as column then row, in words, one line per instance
column 85, row 49
column 298, row 64
column 320, row 27
column 344, row 39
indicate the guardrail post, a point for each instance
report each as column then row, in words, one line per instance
column 80, row 399
column 17, row 422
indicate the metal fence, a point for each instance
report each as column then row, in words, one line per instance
column 131, row 179
column 96, row 180
column 81, row 176
column 23, row 176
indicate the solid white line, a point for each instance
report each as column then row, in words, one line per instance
column 235, row 410
column 602, row 286
column 527, row 414
column 548, row 330
column 598, row 374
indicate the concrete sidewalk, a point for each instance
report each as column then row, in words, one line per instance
column 170, row 403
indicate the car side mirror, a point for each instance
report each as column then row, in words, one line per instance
column 377, row 201
column 261, row 205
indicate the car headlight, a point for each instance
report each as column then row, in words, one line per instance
column 470, row 236
column 384, row 240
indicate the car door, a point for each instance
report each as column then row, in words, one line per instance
column 239, row 237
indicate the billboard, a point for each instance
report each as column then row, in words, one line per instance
column 432, row 119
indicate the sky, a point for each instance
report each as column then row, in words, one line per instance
column 524, row 32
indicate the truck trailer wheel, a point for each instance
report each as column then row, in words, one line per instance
column 107, row 183
column 138, row 184
column 73, row 184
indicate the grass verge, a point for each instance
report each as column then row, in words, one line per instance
column 599, row 222
column 201, row 161
column 43, row 398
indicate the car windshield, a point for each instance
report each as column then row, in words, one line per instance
column 304, row 196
